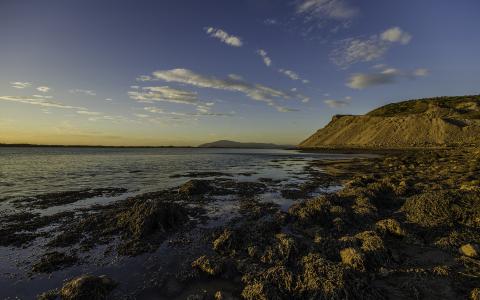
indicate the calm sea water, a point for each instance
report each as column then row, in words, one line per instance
column 32, row 171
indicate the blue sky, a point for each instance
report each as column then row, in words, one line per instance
column 186, row 72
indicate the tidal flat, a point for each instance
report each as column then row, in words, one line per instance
column 398, row 225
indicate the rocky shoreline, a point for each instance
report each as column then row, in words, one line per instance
column 404, row 225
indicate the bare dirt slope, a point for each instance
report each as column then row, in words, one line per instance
column 437, row 122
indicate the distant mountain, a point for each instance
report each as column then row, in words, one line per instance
column 232, row 144
column 432, row 122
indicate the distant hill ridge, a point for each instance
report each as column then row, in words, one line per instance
column 430, row 122
column 233, row 144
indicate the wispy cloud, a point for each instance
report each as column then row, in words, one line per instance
column 43, row 89
column 354, row 50
column 42, row 96
column 421, row 72
column 223, row 36
column 20, row 84
column 292, row 75
column 266, row 59
column 84, row 92
column 254, row 91
column 289, row 73
column 165, row 94
column 88, row 113
column 332, row 103
column 234, row 83
column 326, row 9
column 285, row 109
column 38, row 101
column 387, row 76
column 271, row 22
column 200, row 111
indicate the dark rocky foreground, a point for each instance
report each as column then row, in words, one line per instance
column 405, row 226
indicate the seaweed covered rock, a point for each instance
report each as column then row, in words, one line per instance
column 257, row 233
column 391, row 227
column 313, row 211
column 364, row 208
column 273, row 283
column 195, row 187
column 87, row 287
column 282, row 249
column 353, row 258
column 209, row 266
column 470, row 250
column 147, row 217
column 443, row 208
column 52, row 261
column 224, row 242
column 321, row 278
column 475, row 294
column 371, row 245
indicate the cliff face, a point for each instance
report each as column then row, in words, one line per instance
column 431, row 123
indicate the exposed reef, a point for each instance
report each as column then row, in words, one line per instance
column 404, row 225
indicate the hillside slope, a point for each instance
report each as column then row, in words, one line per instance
column 436, row 122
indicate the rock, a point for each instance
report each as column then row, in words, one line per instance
column 195, row 187
column 470, row 250
column 87, row 287
column 353, row 258
column 390, row 226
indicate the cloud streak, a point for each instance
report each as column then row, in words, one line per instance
column 20, row 84
column 150, row 94
column 254, row 91
column 233, row 83
column 224, row 37
column 387, row 76
column 335, row 103
column 38, row 101
column 84, row 92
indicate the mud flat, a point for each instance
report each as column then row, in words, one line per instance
column 403, row 226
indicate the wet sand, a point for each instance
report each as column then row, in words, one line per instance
column 399, row 226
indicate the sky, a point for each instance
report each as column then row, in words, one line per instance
column 184, row 72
